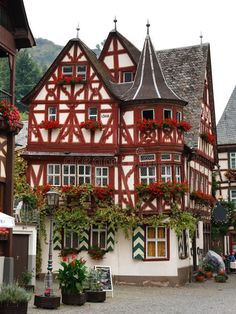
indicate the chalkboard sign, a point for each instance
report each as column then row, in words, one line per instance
column 106, row 280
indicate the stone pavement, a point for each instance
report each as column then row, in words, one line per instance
column 194, row 298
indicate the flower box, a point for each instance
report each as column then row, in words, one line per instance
column 91, row 125
column 96, row 253
column 184, row 126
column 13, row 308
column 10, row 113
column 50, row 125
column 149, row 124
column 70, row 80
column 208, row 137
column 73, row 298
column 95, row 296
column 47, row 302
column 203, row 198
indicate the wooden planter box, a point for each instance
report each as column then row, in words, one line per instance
column 95, row 296
column 73, row 299
column 44, row 302
column 13, row 308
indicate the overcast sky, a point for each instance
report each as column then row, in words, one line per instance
column 174, row 23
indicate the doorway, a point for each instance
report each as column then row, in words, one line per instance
column 20, row 254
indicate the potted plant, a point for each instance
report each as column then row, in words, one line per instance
column 208, row 268
column 95, row 293
column 25, row 279
column 71, row 278
column 221, row 276
column 200, row 276
column 96, row 252
column 13, row 299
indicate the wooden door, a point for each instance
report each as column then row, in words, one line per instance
column 20, row 254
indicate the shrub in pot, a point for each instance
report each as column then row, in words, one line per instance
column 208, row 268
column 13, row 299
column 94, row 292
column 200, row 276
column 25, row 280
column 71, row 278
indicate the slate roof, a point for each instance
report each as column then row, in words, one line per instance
column 149, row 82
column 226, row 127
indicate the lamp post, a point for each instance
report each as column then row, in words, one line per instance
column 52, row 201
column 48, row 300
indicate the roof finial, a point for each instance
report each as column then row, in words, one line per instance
column 148, row 25
column 77, row 31
column 115, row 21
column 201, row 37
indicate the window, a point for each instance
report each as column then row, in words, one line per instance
column 178, row 116
column 93, row 113
column 68, row 174
column 101, row 176
column 99, row 237
column 67, row 70
column 167, row 114
column 233, row 197
column 232, row 160
column 148, row 114
column 128, row 76
column 82, row 71
column 176, row 157
column 84, row 174
column 147, row 174
column 71, row 239
column 52, row 113
column 53, row 174
column 177, row 173
column 165, row 156
column 147, row 157
column 166, row 173
column 156, row 242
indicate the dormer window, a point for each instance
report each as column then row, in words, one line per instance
column 167, row 114
column 67, row 70
column 128, row 76
column 93, row 113
column 148, row 114
column 81, row 70
column 52, row 113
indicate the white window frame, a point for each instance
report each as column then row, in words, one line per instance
column 53, row 174
column 101, row 176
column 157, row 240
column 232, row 160
column 86, row 177
column 153, row 113
column 69, row 73
column 95, row 229
column 69, row 175
column 93, row 116
column 131, row 76
column 233, row 198
column 147, row 157
column 168, row 110
column 178, row 173
column 52, row 116
column 166, row 154
column 72, row 240
column 167, row 175
column 179, row 116
column 177, row 157
column 147, row 179
column 82, row 73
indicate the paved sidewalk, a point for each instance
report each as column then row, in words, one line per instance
column 195, row 298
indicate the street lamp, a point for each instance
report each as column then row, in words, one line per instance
column 52, row 201
column 48, row 300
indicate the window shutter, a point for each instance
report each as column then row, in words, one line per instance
column 57, row 245
column 183, row 248
column 110, row 238
column 138, row 243
column 84, row 241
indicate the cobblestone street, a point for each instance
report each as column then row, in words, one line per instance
column 208, row 297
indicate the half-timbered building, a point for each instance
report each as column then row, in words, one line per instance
column 14, row 35
column 139, row 100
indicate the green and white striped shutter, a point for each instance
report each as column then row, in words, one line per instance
column 110, row 238
column 84, row 241
column 138, row 243
column 57, row 245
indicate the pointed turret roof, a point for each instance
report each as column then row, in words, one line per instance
column 226, row 127
column 149, row 82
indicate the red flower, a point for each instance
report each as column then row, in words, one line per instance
column 208, row 137
column 91, row 125
column 62, row 80
column 149, row 124
column 10, row 113
column 49, row 124
column 184, row 126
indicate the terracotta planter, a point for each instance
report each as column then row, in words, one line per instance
column 200, row 278
column 13, row 308
column 208, row 274
column 44, row 302
column 95, row 296
column 73, row 299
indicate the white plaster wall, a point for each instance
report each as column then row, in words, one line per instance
column 124, row 60
column 109, row 61
column 128, row 117
column 223, row 164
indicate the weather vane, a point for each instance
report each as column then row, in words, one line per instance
column 148, row 25
column 77, row 31
column 115, row 21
